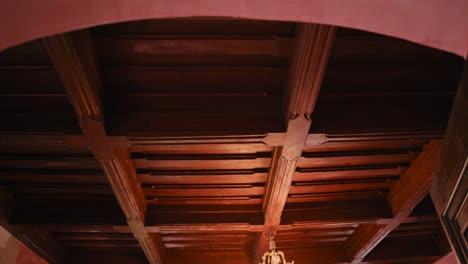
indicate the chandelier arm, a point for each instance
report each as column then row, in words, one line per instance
column 274, row 257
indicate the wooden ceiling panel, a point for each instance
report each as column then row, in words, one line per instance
column 180, row 70
column 312, row 238
column 105, row 255
column 376, row 84
column 96, row 241
column 349, row 210
column 404, row 249
column 374, row 49
column 208, row 241
column 203, row 183
column 225, row 257
column 351, row 170
column 210, row 174
column 199, row 148
column 83, row 210
column 32, row 93
column 59, row 174
column 154, row 217
column 28, row 54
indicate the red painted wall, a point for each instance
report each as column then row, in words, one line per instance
column 12, row 251
column 441, row 24
column 26, row 256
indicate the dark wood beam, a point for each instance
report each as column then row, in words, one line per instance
column 324, row 139
column 146, row 143
column 415, row 183
column 72, row 55
column 219, row 44
column 314, row 43
column 269, row 139
column 412, row 187
column 202, row 228
column 76, row 228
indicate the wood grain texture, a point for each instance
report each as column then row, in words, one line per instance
column 72, row 55
column 308, row 66
column 186, row 150
column 412, row 187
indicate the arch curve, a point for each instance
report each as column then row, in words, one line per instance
column 434, row 23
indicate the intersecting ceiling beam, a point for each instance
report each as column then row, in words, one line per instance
column 412, row 187
column 313, row 48
column 270, row 139
column 72, row 55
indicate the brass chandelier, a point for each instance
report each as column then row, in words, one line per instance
column 272, row 256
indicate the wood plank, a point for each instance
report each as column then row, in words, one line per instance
column 341, row 187
column 202, row 164
column 214, row 75
column 64, row 190
column 73, row 58
column 191, row 45
column 227, row 143
column 335, row 174
column 341, row 196
column 414, row 184
column 203, row 217
column 307, row 69
column 204, row 192
column 92, row 229
column 317, row 142
column 12, row 162
column 204, row 228
column 158, row 179
column 52, row 178
column 204, row 146
column 206, row 201
column 204, row 237
column 306, row 162
column 95, row 237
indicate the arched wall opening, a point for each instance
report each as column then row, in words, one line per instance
column 438, row 24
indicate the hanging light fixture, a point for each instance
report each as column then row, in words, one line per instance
column 273, row 256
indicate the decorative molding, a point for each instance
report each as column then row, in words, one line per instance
column 279, row 191
column 121, row 174
column 309, row 62
column 72, row 55
column 270, row 139
column 202, row 228
column 323, row 139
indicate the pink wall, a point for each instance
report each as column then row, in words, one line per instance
column 448, row 259
column 12, row 251
column 441, row 24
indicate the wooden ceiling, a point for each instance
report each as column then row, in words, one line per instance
column 191, row 141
